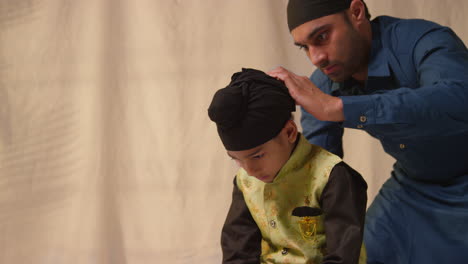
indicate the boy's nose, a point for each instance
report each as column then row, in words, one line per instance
column 251, row 170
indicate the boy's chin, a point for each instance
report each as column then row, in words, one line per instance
column 265, row 179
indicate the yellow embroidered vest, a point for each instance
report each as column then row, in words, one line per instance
column 288, row 238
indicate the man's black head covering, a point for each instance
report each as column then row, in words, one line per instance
column 302, row 11
column 251, row 110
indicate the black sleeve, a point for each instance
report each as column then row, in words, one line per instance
column 344, row 201
column 240, row 237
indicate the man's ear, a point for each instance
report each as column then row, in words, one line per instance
column 357, row 11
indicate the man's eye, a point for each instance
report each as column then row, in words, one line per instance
column 322, row 36
column 303, row 47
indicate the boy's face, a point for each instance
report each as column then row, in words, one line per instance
column 265, row 161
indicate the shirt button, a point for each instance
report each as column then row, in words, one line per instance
column 402, row 146
column 360, row 126
column 284, row 251
column 273, row 223
column 363, row 119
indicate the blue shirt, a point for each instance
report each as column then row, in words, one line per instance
column 415, row 100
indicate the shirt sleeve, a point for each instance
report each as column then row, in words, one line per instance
column 440, row 63
column 327, row 135
column 240, row 237
column 343, row 201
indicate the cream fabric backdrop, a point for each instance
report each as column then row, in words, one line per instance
column 106, row 151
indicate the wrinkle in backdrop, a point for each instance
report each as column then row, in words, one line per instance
column 106, row 151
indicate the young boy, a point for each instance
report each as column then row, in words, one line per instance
column 293, row 202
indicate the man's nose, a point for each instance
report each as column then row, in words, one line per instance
column 318, row 57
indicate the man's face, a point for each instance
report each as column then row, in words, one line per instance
column 265, row 161
column 333, row 45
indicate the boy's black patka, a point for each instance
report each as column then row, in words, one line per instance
column 251, row 110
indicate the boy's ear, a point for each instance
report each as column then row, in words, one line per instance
column 291, row 130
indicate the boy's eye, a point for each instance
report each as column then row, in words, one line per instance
column 258, row 156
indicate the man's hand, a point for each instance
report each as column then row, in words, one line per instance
column 319, row 104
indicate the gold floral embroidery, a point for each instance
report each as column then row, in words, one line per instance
column 308, row 227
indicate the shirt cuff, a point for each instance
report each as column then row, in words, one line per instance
column 359, row 111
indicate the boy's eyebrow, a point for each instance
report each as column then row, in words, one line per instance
column 312, row 34
column 254, row 153
column 248, row 155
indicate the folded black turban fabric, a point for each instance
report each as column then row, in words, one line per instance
column 251, row 110
column 302, row 11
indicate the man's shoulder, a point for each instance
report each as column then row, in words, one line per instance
column 398, row 32
column 388, row 23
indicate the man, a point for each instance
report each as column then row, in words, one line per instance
column 405, row 82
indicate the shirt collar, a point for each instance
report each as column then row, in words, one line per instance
column 378, row 63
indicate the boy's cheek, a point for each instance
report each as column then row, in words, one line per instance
column 238, row 163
